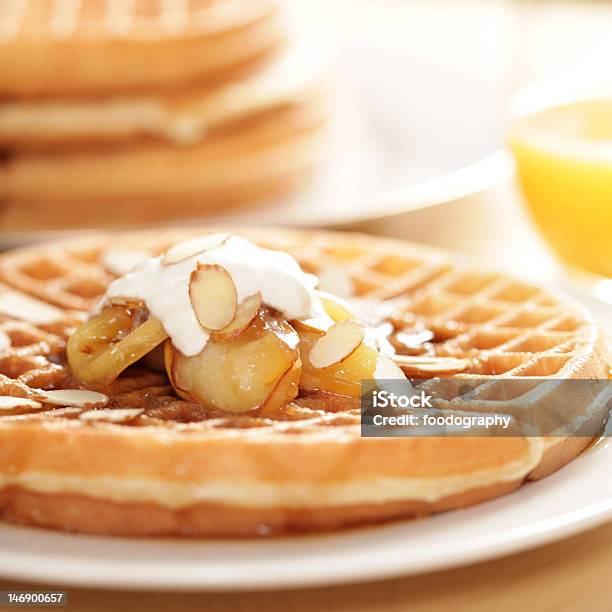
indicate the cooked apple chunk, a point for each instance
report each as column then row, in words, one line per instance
column 101, row 348
column 259, row 368
column 344, row 377
column 335, row 307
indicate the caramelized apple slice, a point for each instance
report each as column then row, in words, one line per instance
column 335, row 307
column 345, row 377
column 100, row 349
column 387, row 369
column 286, row 389
column 259, row 368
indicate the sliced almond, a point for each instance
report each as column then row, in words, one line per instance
column 60, row 412
column 10, row 402
column 340, row 342
column 410, row 359
column 415, row 339
column 121, row 262
column 315, row 324
column 185, row 250
column 427, row 359
column 213, row 296
column 113, row 415
column 387, row 369
column 245, row 313
column 72, row 397
column 26, row 308
column 430, row 366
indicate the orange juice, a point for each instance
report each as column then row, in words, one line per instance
column 564, row 162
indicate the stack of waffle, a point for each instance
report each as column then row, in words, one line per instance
column 131, row 111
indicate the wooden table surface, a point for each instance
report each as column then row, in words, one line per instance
column 568, row 576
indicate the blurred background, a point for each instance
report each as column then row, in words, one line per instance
column 483, row 126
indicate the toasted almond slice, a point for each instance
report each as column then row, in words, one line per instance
column 60, row 412
column 426, row 359
column 315, row 324
column 448, row 366
column 340, row 342
column 72, row 397
column 185, row 250
column 26, row 308
column 113, row 415
column 213, row 296
column 430, row 366
column 387, row 369
column 121, row 262
column 245, row 313
column 10, row 402
column 416, row 339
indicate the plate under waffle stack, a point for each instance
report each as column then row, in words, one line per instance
column 304, row 466
column 115, row 112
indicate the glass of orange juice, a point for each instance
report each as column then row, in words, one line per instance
column 562, row 143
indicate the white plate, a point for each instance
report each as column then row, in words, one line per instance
column 574, row 499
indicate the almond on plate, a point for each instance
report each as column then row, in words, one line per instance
column 9, row 403
column 113, row 415
column 72, row 397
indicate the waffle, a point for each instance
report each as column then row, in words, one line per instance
column 250, row 161
column 201, row 102
column 148, row 463
column 180, row 116
column 97, row 46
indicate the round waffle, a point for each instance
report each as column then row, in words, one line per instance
column 251, row 160
column 97, row 46
column 138, row 111
column 145, row 462
column 183, row 116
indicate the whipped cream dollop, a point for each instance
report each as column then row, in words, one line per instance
column 162, row 284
